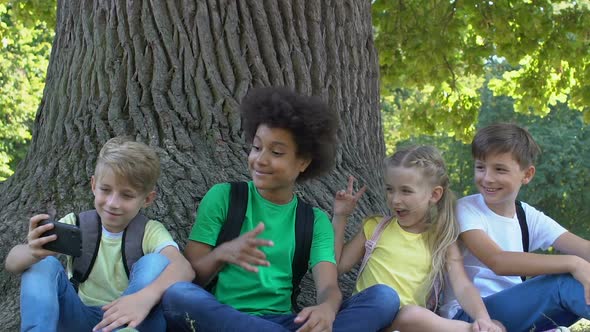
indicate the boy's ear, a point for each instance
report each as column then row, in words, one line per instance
column 149, row 199
column 436, row 195
column 529, row 173
column 304, row 164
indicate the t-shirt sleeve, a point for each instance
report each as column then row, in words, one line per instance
column 211, row 214
column 468, row 217
column 369, row 225
column 322, row 245
column 156, row 237
column 543, row 230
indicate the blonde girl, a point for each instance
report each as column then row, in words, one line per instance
column 418, row 246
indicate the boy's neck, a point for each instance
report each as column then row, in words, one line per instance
column 279, row 197
column 504, row 209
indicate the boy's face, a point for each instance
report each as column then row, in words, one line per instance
column 116, row 201
column 499, row 178
column 274, row 164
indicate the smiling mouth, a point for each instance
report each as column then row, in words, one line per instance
column 490, row 190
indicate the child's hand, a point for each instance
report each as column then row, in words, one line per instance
column 128, row 310
column 487, row 325
column 317, row 318
column 243, row 251
column 345, row 200
column 582, row 274
column 34, row 239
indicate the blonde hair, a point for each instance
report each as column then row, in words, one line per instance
column 443, row 229
column 133, row 162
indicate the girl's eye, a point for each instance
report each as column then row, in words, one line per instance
column 255, row 148
column 479, row 167
column 277, row 153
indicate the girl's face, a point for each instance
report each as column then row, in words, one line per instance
column 409, row 196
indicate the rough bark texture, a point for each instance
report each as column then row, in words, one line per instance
column 172, row 73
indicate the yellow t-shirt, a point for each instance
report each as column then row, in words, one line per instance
column 400, row 260
column 107, row 280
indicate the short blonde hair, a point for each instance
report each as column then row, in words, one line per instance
column 133, row 162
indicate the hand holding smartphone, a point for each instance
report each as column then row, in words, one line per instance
column 69, row 238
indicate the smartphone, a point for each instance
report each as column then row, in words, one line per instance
column 69, row 238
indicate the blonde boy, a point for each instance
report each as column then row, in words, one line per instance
column 124, row 182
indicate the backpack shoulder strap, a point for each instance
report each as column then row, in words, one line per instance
column 91, row 231
column 371, row 243
column 304, row 221
column 132, row 242
column 524, row 229
column 236, row 212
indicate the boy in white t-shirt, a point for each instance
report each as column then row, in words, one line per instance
column 494, row 254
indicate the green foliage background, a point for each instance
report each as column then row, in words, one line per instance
column 447, row 68
column 26, row 33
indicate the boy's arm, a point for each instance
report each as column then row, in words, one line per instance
column 22, row 256
column 510, row 263
column 132, row 309
column 242, row 251
column 19, row 259
column 569, row 243
column 321, row 316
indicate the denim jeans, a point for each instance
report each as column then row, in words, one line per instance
column 188, row 307
column 49, row 302
column 538, row 304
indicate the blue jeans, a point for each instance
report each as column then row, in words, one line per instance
column 538, row 304
column 188, row 307
column 49, row 302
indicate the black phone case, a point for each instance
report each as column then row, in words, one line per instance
column 69, row 239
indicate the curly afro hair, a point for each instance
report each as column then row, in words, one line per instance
column 311, row 122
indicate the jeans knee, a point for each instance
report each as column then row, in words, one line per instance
column 47, row 267
column 149, row 267
column 183, row 294
column 386, row 299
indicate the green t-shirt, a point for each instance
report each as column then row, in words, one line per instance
column 269, row 290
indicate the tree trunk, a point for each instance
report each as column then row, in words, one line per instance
column 171, row 74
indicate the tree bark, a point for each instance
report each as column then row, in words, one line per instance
column 171, row 74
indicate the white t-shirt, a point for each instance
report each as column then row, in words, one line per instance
column 473, row 213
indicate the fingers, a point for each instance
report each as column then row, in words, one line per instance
column 256, row 231
column 360, row 193
column 302, row 316
column 34, row 221
column 351, row 180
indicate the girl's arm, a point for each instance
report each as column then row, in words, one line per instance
column 351, row 253
column 467, row 294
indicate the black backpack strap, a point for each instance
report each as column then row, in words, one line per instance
column 91, row 230
column 236, row 212
column 132, row 242
column 524, row 229
column 304, row 220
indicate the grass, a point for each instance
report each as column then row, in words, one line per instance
column 582, row 326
